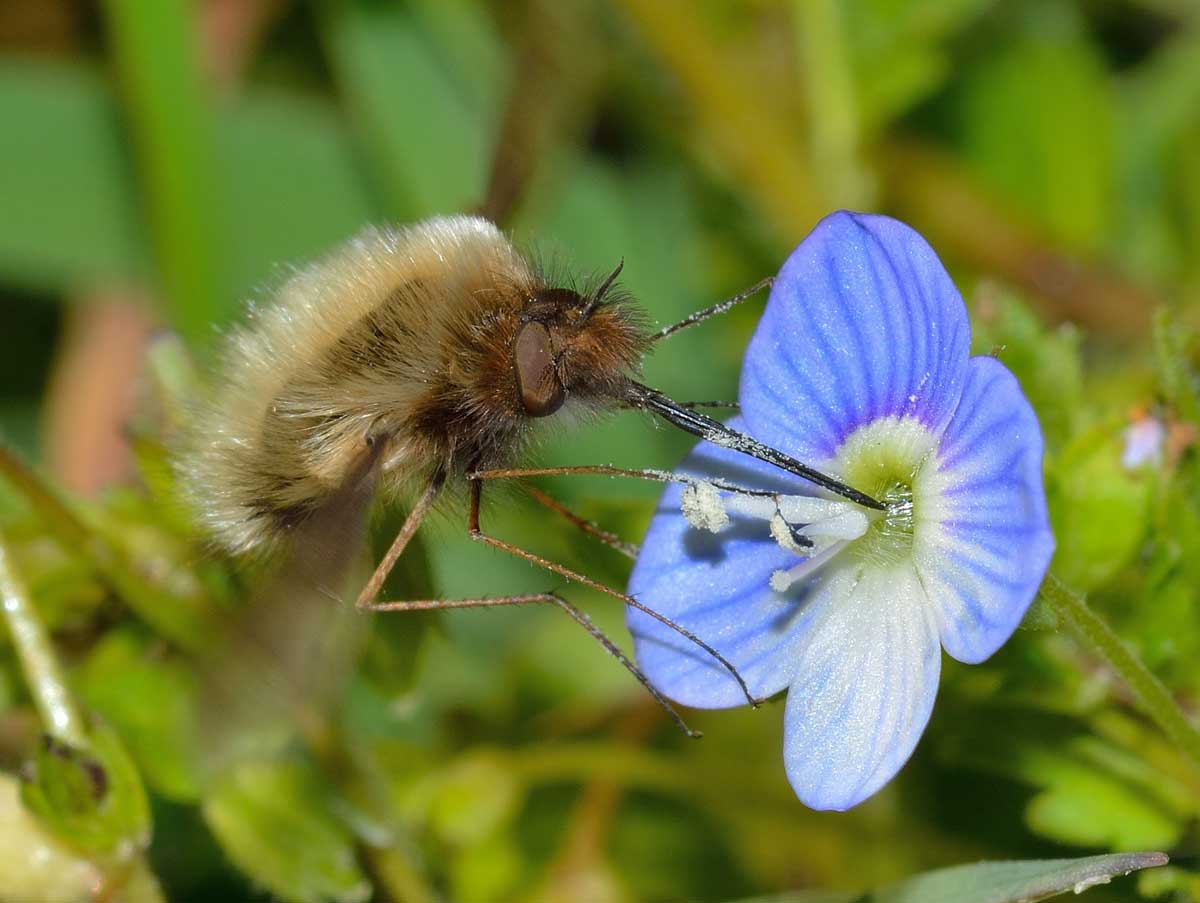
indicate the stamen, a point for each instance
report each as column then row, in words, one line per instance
column 788, row 537
column 799, row 523
column 703, row 507
column 782, row 581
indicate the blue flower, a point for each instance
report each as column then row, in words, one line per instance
column 860, row 366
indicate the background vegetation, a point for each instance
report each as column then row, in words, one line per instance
column 161, row 162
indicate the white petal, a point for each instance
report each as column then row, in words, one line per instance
column 864, row 683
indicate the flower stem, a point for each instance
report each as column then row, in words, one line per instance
column 1150, row 692
column 50, row 694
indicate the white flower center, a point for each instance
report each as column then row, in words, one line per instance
column 889, row 459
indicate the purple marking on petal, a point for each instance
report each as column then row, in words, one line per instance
column 863, row 322
column 863, row 325
column 983, row 564
column 818, row 415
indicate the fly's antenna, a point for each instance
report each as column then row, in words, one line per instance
column 719, row 308
column 710, row 430
column 598, row 295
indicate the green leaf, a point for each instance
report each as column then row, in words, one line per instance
column 89, row 797
column 1174, row 343
column 294, row 186
column 428, row 145
column 488, row 870
column 1156, row 139
column 275, row 821
column 900, row 51
column 1163, row 618
column 69, row 211
column 1009, row 882
column 1038, row 120
column 1098, row 508
column 1087, row 808
column 150, row 698
column 1092, row 791
column 472, row 799
column 1179, row 885
column 1023, row 881
column 291, row 186
column 465, row 35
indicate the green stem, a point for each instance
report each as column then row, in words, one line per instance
column 158, row 63
column 68, row 529
column 53, row 700
column 1150, row 692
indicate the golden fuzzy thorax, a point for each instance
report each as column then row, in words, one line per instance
column 395, row 351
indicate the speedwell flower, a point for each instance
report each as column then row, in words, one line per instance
column 860, row 367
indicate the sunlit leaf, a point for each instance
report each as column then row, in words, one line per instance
column 993, row 882
column 488, row 870
column 471, row 799
column 89, row 797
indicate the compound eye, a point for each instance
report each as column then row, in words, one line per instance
column 541, row 391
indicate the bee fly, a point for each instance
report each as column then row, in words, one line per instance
column 413, row 357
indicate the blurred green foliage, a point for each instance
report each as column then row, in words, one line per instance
column 181, row 156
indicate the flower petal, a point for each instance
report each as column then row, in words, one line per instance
column 863, row 323
column 984, row 542
column 717, row 586
column 866, row 675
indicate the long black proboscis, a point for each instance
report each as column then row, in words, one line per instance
column 714, row 431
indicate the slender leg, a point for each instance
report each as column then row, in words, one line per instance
column 628, row 549
column 556, row 568
column 701, row 315
column 366, row 598
column 607, row 470
column 544, row 598
column 409, row 528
